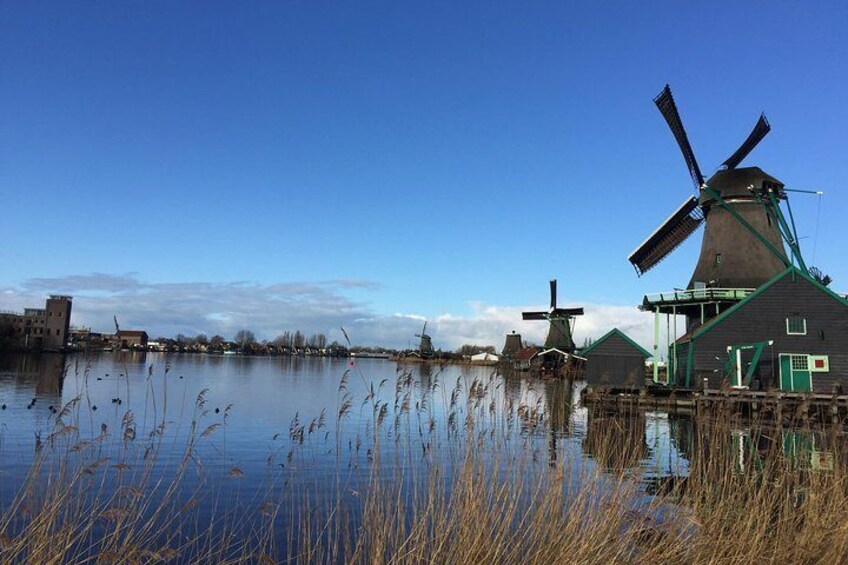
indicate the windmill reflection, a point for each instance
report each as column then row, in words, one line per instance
column 559, row 397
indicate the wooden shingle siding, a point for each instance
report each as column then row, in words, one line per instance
column 615, row 363
column 763, row 318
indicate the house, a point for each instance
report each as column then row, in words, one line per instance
column 521, row 360
column 485, row 358
column 615, row 361
column 790, row 334
column 132, row 339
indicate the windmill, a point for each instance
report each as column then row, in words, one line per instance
column 425, row 347
column 561, row 322
column 742, row 248
column 745, row 230
column 512, row 345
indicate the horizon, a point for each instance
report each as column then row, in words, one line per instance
column 307, row 167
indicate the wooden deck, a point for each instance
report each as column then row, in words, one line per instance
column 831, row 408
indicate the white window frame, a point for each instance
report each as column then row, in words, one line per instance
column 796, row 333
column 814, row 358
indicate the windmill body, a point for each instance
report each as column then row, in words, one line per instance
column 512, row 345
column 731, row 255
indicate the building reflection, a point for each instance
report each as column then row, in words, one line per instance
column 45, row 372
column 616, row 440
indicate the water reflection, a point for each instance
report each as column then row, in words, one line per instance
column 270, row 394
column 616, row 440
column 43, row 374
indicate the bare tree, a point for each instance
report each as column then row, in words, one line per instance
column 245, row 337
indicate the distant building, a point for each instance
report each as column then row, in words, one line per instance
column 485, row 357
column 45, row 328
column 132, row 339
column 512, row 345
column 522, row 358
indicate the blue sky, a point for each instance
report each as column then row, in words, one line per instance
column 437, row 160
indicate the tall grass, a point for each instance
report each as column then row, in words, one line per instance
column 429, row 471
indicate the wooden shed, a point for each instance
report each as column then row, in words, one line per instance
column 615, row 361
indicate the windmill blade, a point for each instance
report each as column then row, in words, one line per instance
column 757, row 134
column 534, row 315
column 566, row 312
column 667, row 107
column 553, row 294
column 674, row 231
column 424, row 331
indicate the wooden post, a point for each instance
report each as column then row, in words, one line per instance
column 656, row 344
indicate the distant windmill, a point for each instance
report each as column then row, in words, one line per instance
column 512, row 345
column 561, row 322
column 425, row 348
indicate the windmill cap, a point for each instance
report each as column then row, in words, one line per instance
column 736, row 182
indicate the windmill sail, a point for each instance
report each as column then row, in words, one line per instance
column 534, row 315
column 760, row 130
column 667, row 107
column 674, row 231
column 553, row 294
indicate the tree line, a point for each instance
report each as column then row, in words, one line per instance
column 247, row 339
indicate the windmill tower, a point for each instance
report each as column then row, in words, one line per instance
column 561, row 321
column 425, row 347
column 512, row 345
column 744, row 236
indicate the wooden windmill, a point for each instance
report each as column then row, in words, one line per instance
column 560, row 320
column 745, row 230
column 425, row 346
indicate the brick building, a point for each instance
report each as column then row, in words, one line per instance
column 40, row 328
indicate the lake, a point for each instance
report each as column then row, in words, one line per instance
column 253, row 437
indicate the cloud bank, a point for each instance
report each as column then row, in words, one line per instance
column 224, row 308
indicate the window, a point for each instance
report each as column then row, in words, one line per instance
column 800, row 362
column 796, row 325
column 718, row 259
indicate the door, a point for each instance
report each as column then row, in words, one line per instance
column 795, row 373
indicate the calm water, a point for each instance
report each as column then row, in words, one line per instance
column 243, row 431
column 268, row 397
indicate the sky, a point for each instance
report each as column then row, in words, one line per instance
column 207, row 167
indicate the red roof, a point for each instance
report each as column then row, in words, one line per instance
column 525, row 354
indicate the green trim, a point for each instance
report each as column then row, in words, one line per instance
column 729, row 207
column 794, row 271
column 609, row 334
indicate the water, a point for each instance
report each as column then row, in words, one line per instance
column 244, row 433
column 266, row 394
